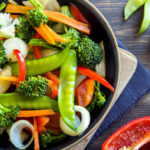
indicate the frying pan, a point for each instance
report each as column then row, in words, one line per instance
column 101, row 30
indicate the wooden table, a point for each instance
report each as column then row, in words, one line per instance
column 126, row 31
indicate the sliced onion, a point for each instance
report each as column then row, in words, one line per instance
column 82, row 125
column 14, row 43
column 101, row 67
column 1, row 131
column 16, row 136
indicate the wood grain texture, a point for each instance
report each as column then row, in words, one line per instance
column 126, row 31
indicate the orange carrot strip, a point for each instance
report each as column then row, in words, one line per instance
column 53, row 16
column 14, row 16
column 55, row 35
column 58, row 17
column 52, row 77
column 45, row 34
column 34, row 113
column 12, row 8
column 35, row 134
column 12, row 79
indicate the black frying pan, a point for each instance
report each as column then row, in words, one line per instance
column 100, row 31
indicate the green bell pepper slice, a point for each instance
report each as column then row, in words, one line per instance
column 67, row 90
column 23, row 102
column 132, row 6
column 43, row 65
column 146, row 18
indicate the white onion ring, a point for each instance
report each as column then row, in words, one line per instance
column 82, row 126
column 16, row 136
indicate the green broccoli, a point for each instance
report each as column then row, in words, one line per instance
column 99, row 99
column 8, row 116
column 36, row 17
column 24, row 30
column 33, row 86
column 89, row 53
column 48, row 137
column 3, row 58
column 36, row 4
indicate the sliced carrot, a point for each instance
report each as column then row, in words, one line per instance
column 55, row 35
column 58, row 17
column 12, row 8
column 52, row 77
column 34, row 113
column 14, row 16
column 45, row 34
column 35, row 134
column 12, row 79
column 54, row 16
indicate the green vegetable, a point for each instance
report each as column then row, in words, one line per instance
column 24, row 30
column 33, row 86
column 134, row 5
column 42, row 43
column 89, row 53
column 146, row 19
column 36, row 17
column 36, row 4
column 48, row 137
column 66, row 11
column 23, row 102
column 3, row 58
column 8, row 116
column 99, row 99
column 67, row 89
column 43, row 65
column 2, row 6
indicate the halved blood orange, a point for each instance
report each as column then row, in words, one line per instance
column 134, row 134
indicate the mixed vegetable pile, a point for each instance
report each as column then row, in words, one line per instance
column 50, row 69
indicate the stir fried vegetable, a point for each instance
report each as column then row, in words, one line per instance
column 42, row 82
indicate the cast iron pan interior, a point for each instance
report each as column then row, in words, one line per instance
column 100, row 32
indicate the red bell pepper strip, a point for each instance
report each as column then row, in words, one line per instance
column 77, row 15
column 134, row 134
column 93, row 75
column 22, row 66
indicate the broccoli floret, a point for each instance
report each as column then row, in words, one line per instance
column 36, row 17
column 99, row 98
column 3, row 58
column 48, row 137
column 8, row 116
column 89, row 53
column 24, row 30
column 33, row 86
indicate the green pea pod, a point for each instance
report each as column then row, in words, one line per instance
column 66, row 90
column 132, row 6
column 23, row 102
column 43, row 65
column 146, row 18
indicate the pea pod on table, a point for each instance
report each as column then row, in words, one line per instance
column 23, row 102
column 146, row 18
column 132, row 6
column 67, row 89
column 43, row 65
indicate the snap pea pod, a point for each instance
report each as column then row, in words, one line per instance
column 67, row 89
column 132, row 6
column 43, row 65
column 146, row 19
column 23, row 102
